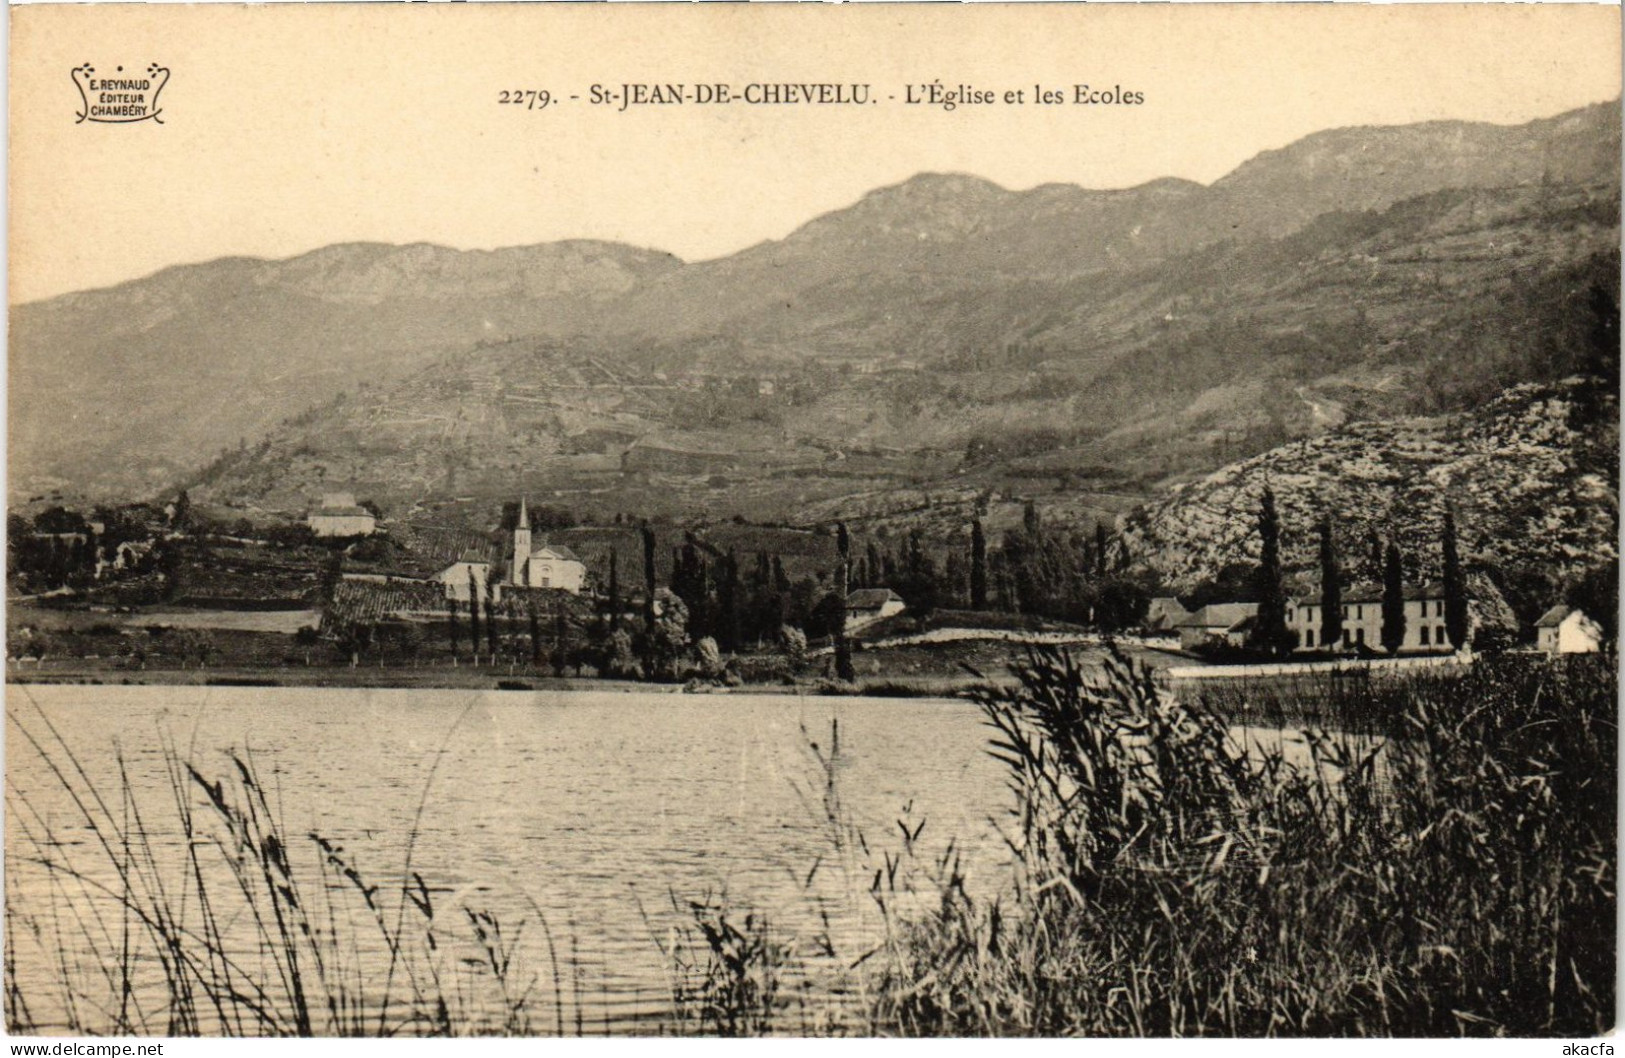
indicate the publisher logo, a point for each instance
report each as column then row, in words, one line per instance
column 119, row 97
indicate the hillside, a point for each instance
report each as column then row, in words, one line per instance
column 1432, row 305
column 939, row 314
column 1532, row 477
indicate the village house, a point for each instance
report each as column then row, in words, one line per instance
column 1566, row 630
column 868, row 605
column 1362, row 620
column 339, row 516
column 1220, row 623
column 468, row 575
column 547, row 566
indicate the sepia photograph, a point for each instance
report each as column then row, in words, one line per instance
column 809, row 521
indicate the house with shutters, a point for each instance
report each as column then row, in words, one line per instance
column 1362, row 621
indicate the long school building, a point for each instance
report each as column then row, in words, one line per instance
column 1362, row 621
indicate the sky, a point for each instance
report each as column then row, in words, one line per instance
column 290, row 127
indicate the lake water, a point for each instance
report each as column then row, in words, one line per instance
column 589, row 813
column 591, row 810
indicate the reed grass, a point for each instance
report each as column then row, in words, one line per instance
column 1454, row 878
column 220, row 921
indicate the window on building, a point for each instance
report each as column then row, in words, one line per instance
column 547, row 582
column 1359, row 636
column 1346, row 640
column 1359, row 615
column 1423, row 632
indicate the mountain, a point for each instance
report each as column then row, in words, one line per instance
column 1155, row 330
column 129, row 388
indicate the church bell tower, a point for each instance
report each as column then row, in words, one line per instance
column 518, row 573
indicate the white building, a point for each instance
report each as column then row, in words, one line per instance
column 1565, row 630
column 868, row 605
column 339, row 516
column 468, row 575
column 547, row 566
column 1362, row 621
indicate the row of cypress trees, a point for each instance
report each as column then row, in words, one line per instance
column 1270, row 631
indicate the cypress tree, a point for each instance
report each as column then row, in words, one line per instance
column 1331, row 588
column 1100, row 550
column 648, row 579
column 1455, row 587
column 978, row 566
column 474, row 613
column 1269, row 630
column 614, row 589
column 491, row 619
column 452, row 630
column 728, row 603
column 1393, row 601
column 843, row 648
column 561, row 639
column 535, row 633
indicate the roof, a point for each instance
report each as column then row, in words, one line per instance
column 558, row 551
column 474, row 558
column 1373, row 593
column 1219, row 615
column 1555, row 616
column 871, row 598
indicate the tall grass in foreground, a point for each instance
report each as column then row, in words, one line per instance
column 218, row 921
column 1170, row 884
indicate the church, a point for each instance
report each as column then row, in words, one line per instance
column 546, row 566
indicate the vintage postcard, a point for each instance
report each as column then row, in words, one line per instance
column 812, row 521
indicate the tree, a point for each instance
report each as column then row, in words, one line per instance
column 491, row 618
column 794, row 641
column 843, row 647
column 978, row 566
column 452, row 631
column 1331, row 588
column 1455, row 586
column 474, row 613
column 1393, row 600
column 535, row 633
column 1270, row 632
column 648, row 579
column 614, row 601
column 181, row 519
column 668, row 640
column 561, row 640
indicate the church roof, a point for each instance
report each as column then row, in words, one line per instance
column 558, row 551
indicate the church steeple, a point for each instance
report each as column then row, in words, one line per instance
column 518, row 572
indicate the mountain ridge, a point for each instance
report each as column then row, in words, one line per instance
column 943, row 266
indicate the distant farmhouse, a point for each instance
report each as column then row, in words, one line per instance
column 1565, row 630
column 1165, row 614
column 339, row 516
column 868, row 605
column 1217, row 624
column 465, row 577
